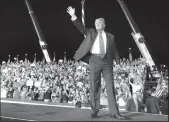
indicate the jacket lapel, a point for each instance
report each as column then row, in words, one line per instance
column 108, row 41
column 94, row 36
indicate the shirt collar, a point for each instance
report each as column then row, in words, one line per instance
column 102, row 32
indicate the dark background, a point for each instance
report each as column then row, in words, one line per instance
column 18, row 36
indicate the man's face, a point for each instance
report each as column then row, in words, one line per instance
column 100, row 24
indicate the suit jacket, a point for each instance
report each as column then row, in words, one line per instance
column 153, row 105
column 130, row 105
column 83, row 53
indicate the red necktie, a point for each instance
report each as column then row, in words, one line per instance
column 102, row 51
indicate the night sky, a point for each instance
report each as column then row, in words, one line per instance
column 18, row 36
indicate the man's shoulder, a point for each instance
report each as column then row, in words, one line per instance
column 130, row 99
column 151, row 98
column 110, row 34
column 92, row 30
column 155, row 98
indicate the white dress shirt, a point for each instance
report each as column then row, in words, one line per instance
column 96, row 46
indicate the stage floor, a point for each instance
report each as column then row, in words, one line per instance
column 39, row 111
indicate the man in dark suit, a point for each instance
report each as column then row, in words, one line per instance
column 152, row 103
column 133, row 104
column 98, row 50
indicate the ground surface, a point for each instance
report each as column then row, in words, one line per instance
column 40, row 111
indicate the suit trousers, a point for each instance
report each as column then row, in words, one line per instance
column 98, row 66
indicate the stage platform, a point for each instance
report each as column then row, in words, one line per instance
column 39, row 111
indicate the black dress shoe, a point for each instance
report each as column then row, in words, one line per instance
column 118, row 117
column 94, row 114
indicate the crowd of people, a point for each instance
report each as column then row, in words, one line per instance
column 68, row 81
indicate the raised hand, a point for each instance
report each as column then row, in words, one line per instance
column 71, row 11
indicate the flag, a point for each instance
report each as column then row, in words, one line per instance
column 130, row 55
column 54, row 59
column 43, row 60
column 26, row 58
column 161, row 78
column 34, row 58
column 64, row 56
column 83, row 14
column 158, row 90
column 160, row 87
column 17, row 58
column 9, row 59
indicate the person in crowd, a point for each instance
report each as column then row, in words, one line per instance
column 152, row 103
column 41, row 94
column 35, row 94
column 136, row 87
column 120, row 100
column 77, row 97
column 29, row 94
column 78, row 104
column 164, row 106
column 59, row 94
column 24, row 93
column 71, row 95
column 17, row 93
column 10, row 92
column 64, row 96
column 85, row 97
column 4, row 91
column 133, row 104
column 47, row 95
column 53, row 95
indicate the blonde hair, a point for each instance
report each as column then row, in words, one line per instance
column 101, row 19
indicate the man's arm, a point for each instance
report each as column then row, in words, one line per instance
column 76, row 21
column 115, row 52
